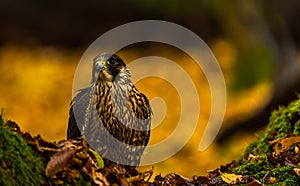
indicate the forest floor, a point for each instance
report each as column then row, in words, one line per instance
column 274, row 158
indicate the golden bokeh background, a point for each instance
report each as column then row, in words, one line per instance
column 36, row 90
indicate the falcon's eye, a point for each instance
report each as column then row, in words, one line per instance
column 112, row 62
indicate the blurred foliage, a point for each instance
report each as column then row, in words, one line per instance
column 255, row 29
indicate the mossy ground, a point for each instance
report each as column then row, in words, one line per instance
column 283, row 121
column 20, row 164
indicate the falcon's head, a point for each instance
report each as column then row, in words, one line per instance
column 107, row 67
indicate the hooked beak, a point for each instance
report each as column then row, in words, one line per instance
column 99, row 65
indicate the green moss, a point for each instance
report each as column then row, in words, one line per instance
column 285, row 120
column 19, row 165
column 285, row 176
column 282, row 121
column 256, row 169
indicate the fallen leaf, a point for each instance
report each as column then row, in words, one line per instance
column 297, row 171
column 98, row 158
column 99, row 179
column 213, row 173
column 254, row 183
column 272, row 180
column 253, row 158
column 231, row 178
column 285, row 143
column 59, row 160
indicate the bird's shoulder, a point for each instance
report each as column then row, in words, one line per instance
column 79, row 105
column 139, row 102
column 82, row 96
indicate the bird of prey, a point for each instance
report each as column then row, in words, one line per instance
column 111, row 114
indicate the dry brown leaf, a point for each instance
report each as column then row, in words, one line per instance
column 148, row 174
column 213, row 173
column 59, row 160
column 14, row 126
column 43, row 143
column 272, row 180
column 253, row 158
column 285, row 143
column 58, row 182
column 72, row 175
column 297, row 171
column 99, row 179
column 255, row 183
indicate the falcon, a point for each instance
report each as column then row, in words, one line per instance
column 111, row 114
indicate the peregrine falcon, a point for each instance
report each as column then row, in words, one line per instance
column 111, row 114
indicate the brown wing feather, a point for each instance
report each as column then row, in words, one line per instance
column 79, row 106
